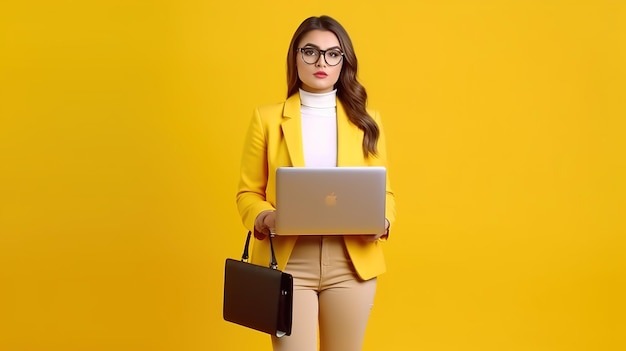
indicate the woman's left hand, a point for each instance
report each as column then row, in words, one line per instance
column 375, row 237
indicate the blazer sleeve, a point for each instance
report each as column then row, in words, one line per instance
column 381, row 160
column 251, row 193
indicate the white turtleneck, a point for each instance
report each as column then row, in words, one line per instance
column 319, row 128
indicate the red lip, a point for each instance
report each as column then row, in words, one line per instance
column 321, row 74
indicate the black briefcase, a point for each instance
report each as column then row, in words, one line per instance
column 258, row 297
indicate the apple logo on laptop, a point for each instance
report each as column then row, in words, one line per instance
column 331, row 199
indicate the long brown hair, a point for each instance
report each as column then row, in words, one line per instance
column 349, row 91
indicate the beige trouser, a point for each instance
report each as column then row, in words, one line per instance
column 326, row 293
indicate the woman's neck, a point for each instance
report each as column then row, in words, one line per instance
column 318, row 100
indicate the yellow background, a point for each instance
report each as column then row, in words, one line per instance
column 121, row 125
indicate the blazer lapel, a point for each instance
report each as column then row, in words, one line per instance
column 349, row 136
column 349, row 140
column 292, row 130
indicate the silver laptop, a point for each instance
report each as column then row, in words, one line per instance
column 334, row 200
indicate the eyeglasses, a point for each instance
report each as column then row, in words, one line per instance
column 311, row 55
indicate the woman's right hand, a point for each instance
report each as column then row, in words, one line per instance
column 264, row 224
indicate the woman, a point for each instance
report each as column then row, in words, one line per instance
column 323, row 123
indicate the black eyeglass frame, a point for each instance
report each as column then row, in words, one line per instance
column 322, row 53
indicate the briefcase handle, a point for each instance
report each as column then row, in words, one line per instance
column 244, row 257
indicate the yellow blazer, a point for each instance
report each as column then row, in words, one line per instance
column 274, row 139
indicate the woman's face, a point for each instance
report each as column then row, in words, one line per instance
column 319, row 77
